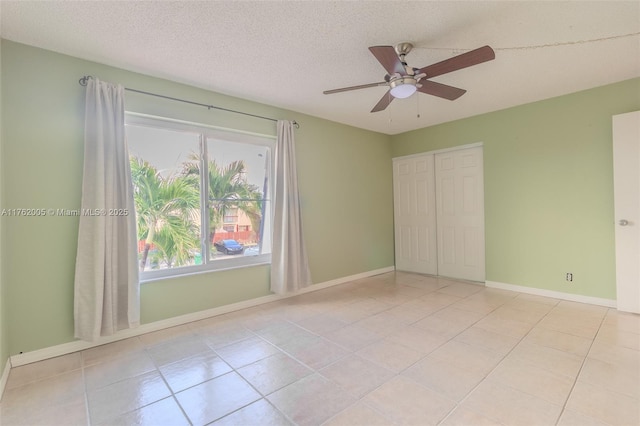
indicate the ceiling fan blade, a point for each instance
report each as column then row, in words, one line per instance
column 440, row 90
column 362, row 86
column 473, row 57
column 384, row 102
column 389, row 59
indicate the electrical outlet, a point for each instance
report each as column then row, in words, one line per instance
column 569, row 276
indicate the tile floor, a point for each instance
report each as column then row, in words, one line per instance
column 397, row 348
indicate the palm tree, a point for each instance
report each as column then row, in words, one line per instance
column 228, row 188
column 167, row 212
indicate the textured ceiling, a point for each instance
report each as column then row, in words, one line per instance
column 285, row 53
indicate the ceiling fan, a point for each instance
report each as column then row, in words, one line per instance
column 403, row 80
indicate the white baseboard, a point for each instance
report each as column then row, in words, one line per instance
column 4, row 377
column 610, row 303
column 79, row 345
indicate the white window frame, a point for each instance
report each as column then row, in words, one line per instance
column 229, row 135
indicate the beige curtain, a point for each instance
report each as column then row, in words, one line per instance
column 107, row 297
column 289, row 263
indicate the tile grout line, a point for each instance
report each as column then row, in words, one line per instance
column 500, row 362
column 166, row 383
column 584, row 360
column 235, row 370
column 399, row 373
column 85, row 393
column 354, row 353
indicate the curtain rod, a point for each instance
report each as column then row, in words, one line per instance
column 83, row 82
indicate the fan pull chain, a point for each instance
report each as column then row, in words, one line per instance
column 390, row 120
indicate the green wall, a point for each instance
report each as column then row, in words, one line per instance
column 345, row 189
column 4, row 331
column 548, row 186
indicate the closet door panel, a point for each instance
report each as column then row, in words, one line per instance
column 415, row 213
column 460, row 214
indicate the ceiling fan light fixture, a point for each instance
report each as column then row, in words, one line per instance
column 403, row 87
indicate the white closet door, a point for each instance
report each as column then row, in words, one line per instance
column 460, row 214
column 415, row 215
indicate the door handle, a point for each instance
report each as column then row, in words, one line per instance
column 623, row 222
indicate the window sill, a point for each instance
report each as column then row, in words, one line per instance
column 216, row 266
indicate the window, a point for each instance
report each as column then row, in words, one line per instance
column 201, row 196
column 231, row 215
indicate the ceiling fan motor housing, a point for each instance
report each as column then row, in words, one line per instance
column 406, row 79
column 403, row 48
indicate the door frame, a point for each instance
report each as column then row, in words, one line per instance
column 441, row 150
